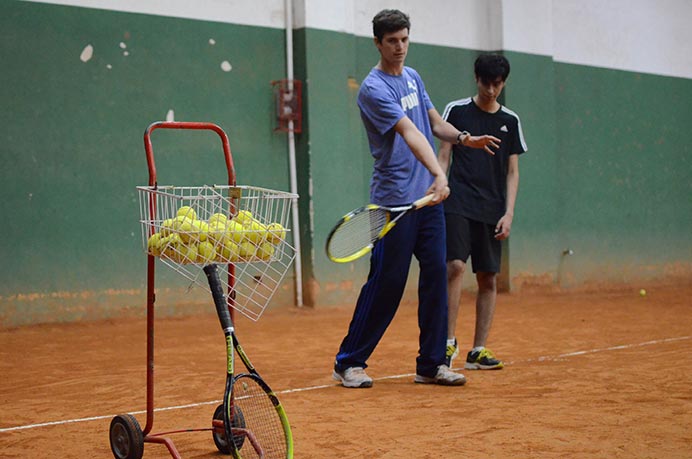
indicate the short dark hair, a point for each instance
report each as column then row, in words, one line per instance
column 388, row 21
column 490, row 67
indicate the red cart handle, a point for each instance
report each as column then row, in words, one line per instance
column 186, row 125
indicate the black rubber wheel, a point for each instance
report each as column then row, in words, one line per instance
column 127, row 441
column 220, row 438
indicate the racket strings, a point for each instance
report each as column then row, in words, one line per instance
column 260, row 418
column 357, row 232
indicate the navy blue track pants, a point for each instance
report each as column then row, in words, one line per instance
column 420, row 234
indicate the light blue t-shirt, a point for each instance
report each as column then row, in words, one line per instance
column 398, row 177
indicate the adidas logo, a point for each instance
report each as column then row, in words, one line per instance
column 504, row 128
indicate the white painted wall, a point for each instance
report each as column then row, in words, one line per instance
column 470, row 24
column 527, row 26
column 649, row 36
column 261, row 13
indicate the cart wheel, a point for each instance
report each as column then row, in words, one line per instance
column 220, row 438
column 127, row 441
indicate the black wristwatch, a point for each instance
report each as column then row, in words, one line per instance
column 461, row 136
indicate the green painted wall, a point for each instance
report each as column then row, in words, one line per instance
column 536, row 243
column 73, row 153
column 334, row 159
column 624, row 146
column 607, row 174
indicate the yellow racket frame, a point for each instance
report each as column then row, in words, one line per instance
column 422, row 202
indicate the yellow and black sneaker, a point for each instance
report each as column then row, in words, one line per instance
column 452, row 353
column 482, row 360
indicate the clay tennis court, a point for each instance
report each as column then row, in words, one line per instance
column 589, row 374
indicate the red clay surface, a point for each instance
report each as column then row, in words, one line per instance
column 588, row 375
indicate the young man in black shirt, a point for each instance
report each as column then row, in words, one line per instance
column 480, row 208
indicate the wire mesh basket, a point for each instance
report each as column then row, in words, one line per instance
column 243, row 227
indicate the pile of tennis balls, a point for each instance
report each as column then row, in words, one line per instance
column 186, row 239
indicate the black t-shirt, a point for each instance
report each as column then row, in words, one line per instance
column 477, row 180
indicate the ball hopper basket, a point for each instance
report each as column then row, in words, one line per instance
column 245, row 226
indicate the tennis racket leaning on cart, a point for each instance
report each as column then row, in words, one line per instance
column 252, row 416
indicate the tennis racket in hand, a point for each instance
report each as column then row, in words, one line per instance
column 251, row 415
column 358, row 231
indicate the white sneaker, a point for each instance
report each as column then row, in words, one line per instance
column 353, row 377
column 444, row 377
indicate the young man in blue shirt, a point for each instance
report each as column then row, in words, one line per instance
column 400, row 121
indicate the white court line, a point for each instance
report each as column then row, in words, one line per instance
column 612, row 348
column 326, row 386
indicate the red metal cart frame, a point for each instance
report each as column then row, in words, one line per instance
column 265, row 269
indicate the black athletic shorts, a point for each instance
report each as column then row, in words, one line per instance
column 467, row 237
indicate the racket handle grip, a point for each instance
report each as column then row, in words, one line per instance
column 222, row 311
column 424, row 201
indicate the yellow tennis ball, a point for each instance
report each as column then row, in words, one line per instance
column 253, row 237
column 199, row 231
column 247, row 250
column 244, row 217
column 257, row 225
column 188, row 253
column 216, row 231
column 275, row 233
column 642, row 292
column 170, row 247
column 183, row 226
column 265, row 251
column 229, row 252
column 163, row 242
column 187, row 211
column 203, row 227
column 179, row 220
column 234, row 225
column 205, row 252
column 255, row 232
column 217, row 217
column 154, row 244
column 167, row 227
column 235, row 231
